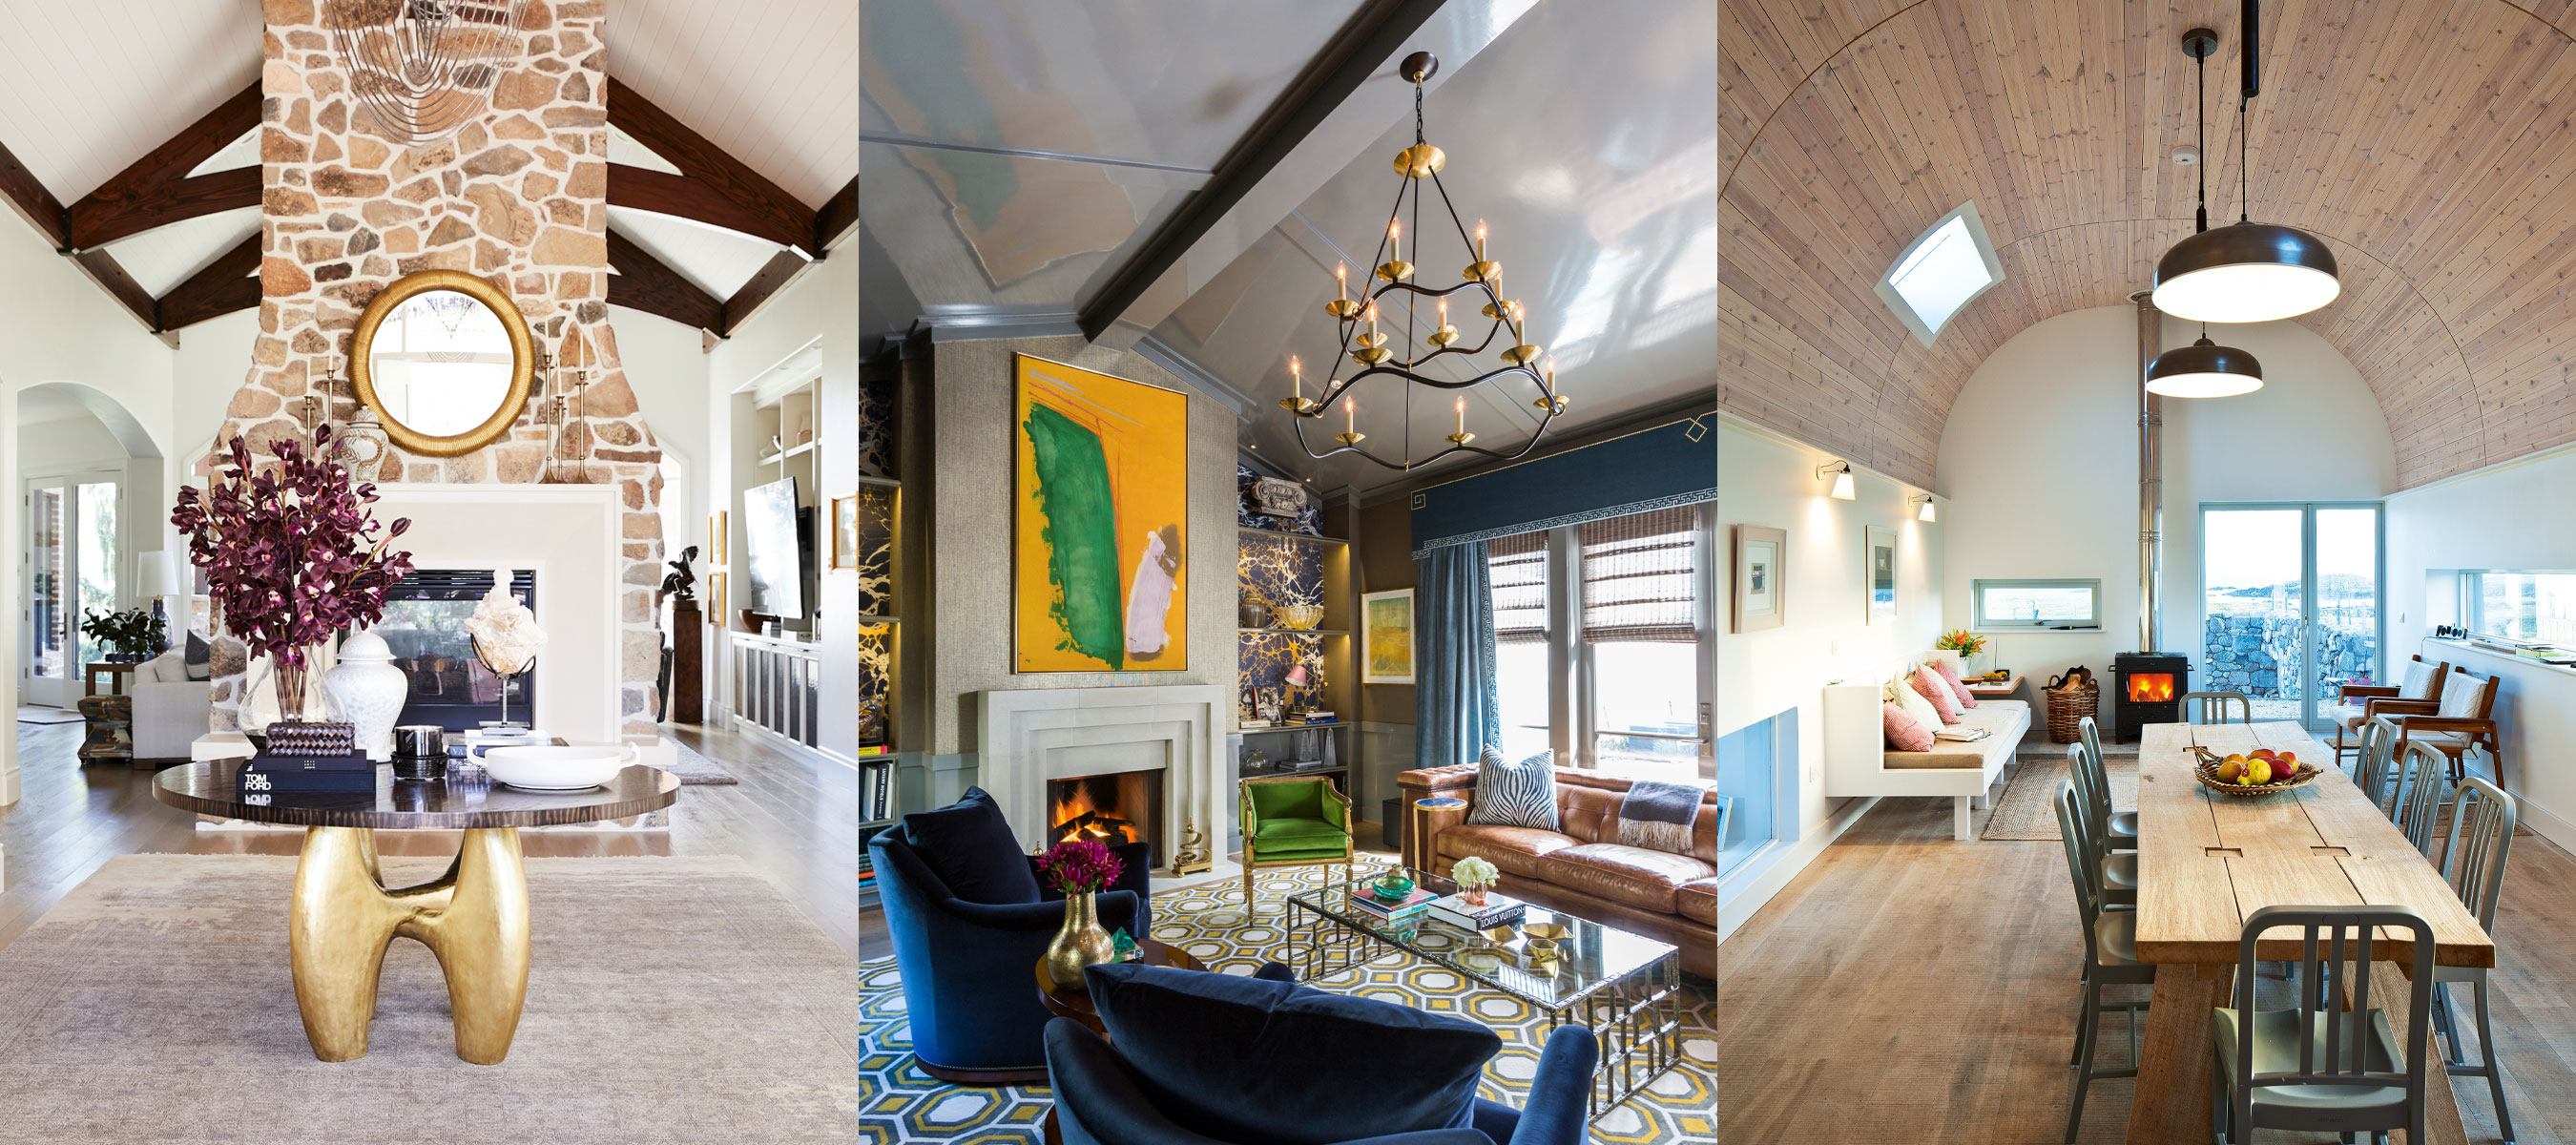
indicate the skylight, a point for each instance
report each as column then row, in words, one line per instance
column 1945, row 267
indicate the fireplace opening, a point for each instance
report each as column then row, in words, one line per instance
column 424, row 626
column 1122, row 808
column 2148, row 689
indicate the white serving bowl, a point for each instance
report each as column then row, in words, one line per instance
column 550, row 768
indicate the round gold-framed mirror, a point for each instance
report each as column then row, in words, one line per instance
column 445, row 359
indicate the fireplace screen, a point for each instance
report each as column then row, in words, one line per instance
column 424, row 625
column 1122, row 808
column 2151, row 687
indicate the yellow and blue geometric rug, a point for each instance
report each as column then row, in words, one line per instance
column 900, row 1103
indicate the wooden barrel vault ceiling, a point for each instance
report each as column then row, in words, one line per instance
column 2428, row 141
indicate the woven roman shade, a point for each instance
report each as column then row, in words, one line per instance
column 1516, row 570
column 1640, row 577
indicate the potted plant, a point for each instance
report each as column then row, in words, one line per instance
column 1079, row 869
column 292, row 554
column 1474, row 877
column 1971, row 648
column 129, row 635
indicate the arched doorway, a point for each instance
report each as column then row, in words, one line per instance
column 91, row 477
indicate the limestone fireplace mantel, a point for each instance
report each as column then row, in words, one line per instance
column 1032, row 735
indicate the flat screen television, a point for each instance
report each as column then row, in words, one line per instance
column 774, row 547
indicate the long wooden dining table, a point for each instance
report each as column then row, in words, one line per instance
column 2207, row 860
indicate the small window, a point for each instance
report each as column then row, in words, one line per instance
column 1940, row 272
column 2525, row 607
column 2037, row 604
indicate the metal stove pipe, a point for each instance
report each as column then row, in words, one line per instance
column 2151, row 475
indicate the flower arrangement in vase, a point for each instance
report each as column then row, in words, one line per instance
column 1970, row 646
column 1474, row 877
column 292, row 554
column 1079, row 869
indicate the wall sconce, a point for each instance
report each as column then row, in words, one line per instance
column 1924, row 510
column 1841, row 472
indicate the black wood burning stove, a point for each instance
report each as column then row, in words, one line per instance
column 2147, row 688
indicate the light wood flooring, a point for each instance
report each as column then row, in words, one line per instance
column 1906, row 987
column 793, row 818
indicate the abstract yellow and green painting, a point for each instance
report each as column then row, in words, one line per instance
column 1100, row 524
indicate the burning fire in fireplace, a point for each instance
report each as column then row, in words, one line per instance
column 2151, row 687
column 1101, row 808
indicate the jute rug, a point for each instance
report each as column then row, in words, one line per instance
column 676, row 1001
column 2025, row 813
column 905, row 1104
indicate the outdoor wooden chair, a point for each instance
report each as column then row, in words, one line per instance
column 2463, row 719
column 2419, row 691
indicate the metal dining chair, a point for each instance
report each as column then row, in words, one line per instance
column 2197, row 706
column 2121, row 829
column 2421, row 771
column 2110, row 959
column 2115, row 876
column 2482, row 819
column 2319, row 1067
column 2373, row 764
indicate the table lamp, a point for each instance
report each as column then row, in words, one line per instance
column 155, row 579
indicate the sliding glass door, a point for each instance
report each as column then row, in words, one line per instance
column 72, row 559
column 2290, row 596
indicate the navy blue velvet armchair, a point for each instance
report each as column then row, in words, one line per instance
column 1374, row 1073
column 968, row 922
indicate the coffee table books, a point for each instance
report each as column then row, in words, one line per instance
column 1498, row 909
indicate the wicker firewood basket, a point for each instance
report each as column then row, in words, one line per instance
column 2068, row 707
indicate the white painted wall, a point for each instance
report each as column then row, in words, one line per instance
column 2039, row 461
column 2504, row 517
column 1767, row 480
column 666, row 366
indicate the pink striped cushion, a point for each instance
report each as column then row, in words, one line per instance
column 1950, row 676
column 1928, row 684
column 1903, row 732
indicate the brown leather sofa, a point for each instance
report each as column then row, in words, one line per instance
column 1581, row 868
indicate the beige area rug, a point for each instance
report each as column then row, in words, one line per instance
column 673, row 1000
column 2024, row 812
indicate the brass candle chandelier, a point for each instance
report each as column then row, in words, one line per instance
column 1372, row 350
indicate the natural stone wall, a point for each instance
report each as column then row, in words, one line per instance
column 2256, row 653
column 519, row 198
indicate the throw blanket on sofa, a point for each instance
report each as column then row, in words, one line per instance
column 1658, row 815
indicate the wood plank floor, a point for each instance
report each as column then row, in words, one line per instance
column 793, row 818
column 1906, row 987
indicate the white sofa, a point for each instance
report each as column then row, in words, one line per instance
column 1859, row 764
column 170, row 710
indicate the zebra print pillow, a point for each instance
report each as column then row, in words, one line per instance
column 1515, row 794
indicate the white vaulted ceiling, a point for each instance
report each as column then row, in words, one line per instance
column 87, row 88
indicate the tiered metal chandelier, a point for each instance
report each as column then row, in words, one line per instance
column 1373, row 351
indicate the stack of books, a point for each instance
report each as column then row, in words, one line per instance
column 1411, row 905
column 1318, row 717
column 1457, row 911
column 476, row 741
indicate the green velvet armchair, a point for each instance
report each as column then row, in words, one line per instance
column 1294, row 821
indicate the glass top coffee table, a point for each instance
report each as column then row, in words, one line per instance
column 1624, row 987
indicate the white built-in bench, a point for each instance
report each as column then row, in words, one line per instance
column 1859, row 764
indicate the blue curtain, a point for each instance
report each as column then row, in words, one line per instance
column 1457, row 710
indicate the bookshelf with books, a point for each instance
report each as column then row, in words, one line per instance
column 1297, row 687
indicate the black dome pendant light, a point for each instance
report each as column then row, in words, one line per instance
column 2203, row 369
column 2247, row 271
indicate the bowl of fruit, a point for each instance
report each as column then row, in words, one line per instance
column 2261, row 771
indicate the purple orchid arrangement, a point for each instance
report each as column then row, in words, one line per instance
column 292, row 554
column 1079, row 866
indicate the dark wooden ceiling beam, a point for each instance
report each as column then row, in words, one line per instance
column 837, row 219
column 29, row 197
column 156, row 190
column 784, row 219
column 229, row 283
column 643, row 283
column 764, row 284
column 102, row 269
column 1346, row 61
column 644, row 189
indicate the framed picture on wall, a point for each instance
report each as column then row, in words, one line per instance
column 1386, row 637
column 1878, row 572
column 845, row 532
column 1760, row 563
column 716, row 598
column 1099, row 522
column 716, row 538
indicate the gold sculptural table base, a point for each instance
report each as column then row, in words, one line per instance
column 474, row 918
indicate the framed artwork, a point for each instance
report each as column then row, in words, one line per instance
column 1100, row 522
column 716, row 598
column 1386, row 637
column 716, row 538
column 1878, row 572
column 1761, row 592
column 845, row 531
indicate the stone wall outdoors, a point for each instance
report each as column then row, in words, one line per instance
column 2252, row 652
column 519, row 197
